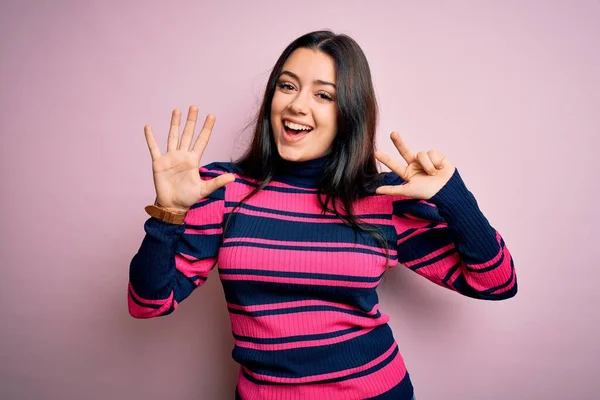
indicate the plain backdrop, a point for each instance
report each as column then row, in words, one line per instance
column 508, row 90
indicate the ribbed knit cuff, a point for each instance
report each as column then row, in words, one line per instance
column 473, row 233
column 153, row 267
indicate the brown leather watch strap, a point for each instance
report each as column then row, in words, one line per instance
column 165, row 215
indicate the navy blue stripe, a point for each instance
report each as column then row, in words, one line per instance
column 298, row 338
column 308, row 275
column 424, row 244
column 293, row 310
column 302, row 215
column 249, row 293
column 300, row 362
column 414, row 207
column 505, row 284
column 203, row 227
column 402, row 391
column 451, row 271
column 491, row 267
column 368, row 371
column 259, row 227
column 205, row 201
column 139, row 303
column 193, row 278
column 461, row 286
column 199, row 246
column 410, row 231
column 433, row 260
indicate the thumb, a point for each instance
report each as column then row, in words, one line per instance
column 217, row 183
column 391, row 190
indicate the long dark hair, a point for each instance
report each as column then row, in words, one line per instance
column 350, row 172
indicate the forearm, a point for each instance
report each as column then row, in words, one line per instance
column 152, row 272
column 483, row 266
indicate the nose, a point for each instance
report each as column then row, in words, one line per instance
column 300, row 104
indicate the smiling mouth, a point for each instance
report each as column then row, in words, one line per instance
column 294, row 132
column 293, row 135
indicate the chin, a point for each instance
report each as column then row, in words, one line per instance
column 292, row 155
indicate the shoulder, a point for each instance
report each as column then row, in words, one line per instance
column 217, row 168
column 390, row 178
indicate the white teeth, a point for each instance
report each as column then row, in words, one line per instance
column 295, row 126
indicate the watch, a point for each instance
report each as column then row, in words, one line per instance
column 171, row 217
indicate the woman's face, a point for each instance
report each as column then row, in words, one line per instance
column 303, row 111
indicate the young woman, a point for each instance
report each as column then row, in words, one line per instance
column 304, row 226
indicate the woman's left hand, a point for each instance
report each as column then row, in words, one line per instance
column 425, row 174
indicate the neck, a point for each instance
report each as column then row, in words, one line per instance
column 302, row 173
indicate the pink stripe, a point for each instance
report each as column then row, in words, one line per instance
column 190, row 231
column 293, row 202
column 371, row 385
column 459, row 271
column 509, row 287
column 301, row 344
column 403, row 224
column 139, row 311
column 300, row 323
column 496, row 277
column 147, row 301
column 437, row 271
column 194, row 267
column 477, row 280
column 285, row 260
column 306, row 244
column 211, row 213
column 300, row 303
column 297, row 281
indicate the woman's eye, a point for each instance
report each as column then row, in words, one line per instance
column 325, row 96
column 288, row 86
column 284, row 85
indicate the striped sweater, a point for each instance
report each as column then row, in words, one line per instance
column 300, row 285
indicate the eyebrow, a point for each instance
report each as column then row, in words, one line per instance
column 318, row 81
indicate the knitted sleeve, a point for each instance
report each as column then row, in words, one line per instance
column 173, row 260
column 449, row 241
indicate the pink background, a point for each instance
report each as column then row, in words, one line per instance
column 509, row 90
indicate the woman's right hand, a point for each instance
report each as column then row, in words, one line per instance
column 176, row 173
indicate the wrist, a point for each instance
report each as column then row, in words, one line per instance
column 177, row 210
column 165, row 214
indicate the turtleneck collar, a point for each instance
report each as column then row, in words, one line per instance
column 301, row 173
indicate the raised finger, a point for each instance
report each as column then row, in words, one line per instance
column 403, row 149
column 152, row 146
column 393, row 165
column 437, row 158
column 188, row 129
column 173, row 138
column 204, row 135
column 426, row 163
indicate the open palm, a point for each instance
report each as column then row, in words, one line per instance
column 176, row 177
column 424, row 175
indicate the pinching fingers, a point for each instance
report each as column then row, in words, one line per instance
column 426, row 163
